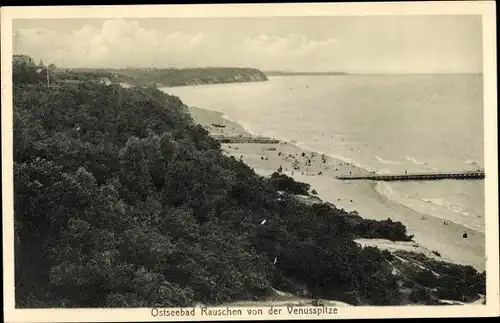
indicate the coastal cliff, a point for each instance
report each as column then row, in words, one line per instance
column 171, row 76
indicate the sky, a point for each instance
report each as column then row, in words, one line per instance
column 353, row 44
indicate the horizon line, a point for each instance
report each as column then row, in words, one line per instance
column 269, row 71
column 367, row 73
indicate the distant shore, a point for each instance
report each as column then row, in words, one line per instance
column 284, row 73
column 165, row 77
column 430, row 233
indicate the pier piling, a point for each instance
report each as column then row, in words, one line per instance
column 417, row 176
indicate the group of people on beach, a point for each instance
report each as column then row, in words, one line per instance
column 303, row 160
column 307, row 162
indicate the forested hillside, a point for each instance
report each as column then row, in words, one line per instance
column 121, row 200
column 172, row 76
column 141, row 77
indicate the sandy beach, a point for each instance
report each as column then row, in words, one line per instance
column 430, row 233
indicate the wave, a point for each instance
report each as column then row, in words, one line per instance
column 387, row 161
column 350, row 161
column 436, row 207
column 437, row 201
column 471, row 162
column 386, row 190
column 300, row 144
column 245, row 127
column 415, row 161
column 440, row 202
column 344, row 159
column 474, row 163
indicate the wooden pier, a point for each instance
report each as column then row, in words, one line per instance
column 416, row 177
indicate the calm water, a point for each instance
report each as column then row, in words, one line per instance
column 383, row 123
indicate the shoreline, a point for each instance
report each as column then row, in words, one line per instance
column 430, row 233
column 160, row 85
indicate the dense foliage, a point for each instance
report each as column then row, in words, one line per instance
column 173, row 76
column 282, row 182
column 89, row 76
column 121, row 200
column 387, row 229
column 25, row 67
column 449, row 281
column 26, row 71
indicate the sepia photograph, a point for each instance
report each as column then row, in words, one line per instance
column 253, row 162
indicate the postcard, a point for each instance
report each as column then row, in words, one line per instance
column 249, row 162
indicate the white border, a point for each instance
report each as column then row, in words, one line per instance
column 484, row 8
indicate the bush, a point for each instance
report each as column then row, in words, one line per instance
column 426, row 278
column 285, row 183
column 387, row 229
column 422, row 296
column 455, row 282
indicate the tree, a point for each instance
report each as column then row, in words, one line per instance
column 135, row 205
column 23, row 70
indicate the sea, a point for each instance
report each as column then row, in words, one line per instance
column 382, row 123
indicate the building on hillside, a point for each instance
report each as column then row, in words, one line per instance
column 105, row 80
